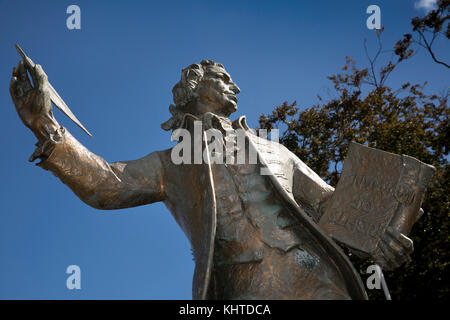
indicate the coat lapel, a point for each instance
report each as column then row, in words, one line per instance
column 203, row 238
column 351, row 276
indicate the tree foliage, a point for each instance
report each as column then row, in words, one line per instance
column 427, row 30
column 403, row 121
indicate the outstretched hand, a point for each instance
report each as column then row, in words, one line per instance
column 32, row 101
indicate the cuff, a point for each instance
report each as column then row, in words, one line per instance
column 44, row 149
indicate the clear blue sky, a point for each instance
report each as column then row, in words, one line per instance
column 116, row 74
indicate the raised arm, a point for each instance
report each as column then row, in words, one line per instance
column 95, row 181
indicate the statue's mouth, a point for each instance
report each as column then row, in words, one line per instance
column 232, row 97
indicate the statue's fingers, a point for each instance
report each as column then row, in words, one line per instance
column 15, row 71
column 13, row 88
column 41, row 76
column 400, row 253
column 47, row 103
column 401, row 239
column 382, row 261
column 390, row 257
column 23, row 76
column 17, row 86
column 384, row 264
column 419, row 214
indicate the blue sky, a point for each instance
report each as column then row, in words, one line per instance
column 116, row 74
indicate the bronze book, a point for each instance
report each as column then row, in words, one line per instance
column 376, row 189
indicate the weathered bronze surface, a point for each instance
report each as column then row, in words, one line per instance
column 376, row 189
column 253, row 236
column 54, row 96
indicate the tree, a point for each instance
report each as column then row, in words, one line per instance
column 402, row 121
column 427, row 29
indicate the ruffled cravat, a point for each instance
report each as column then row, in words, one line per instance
column 211, row 121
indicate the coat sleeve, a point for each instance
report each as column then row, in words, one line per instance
column 104, row 185
column 309, row 190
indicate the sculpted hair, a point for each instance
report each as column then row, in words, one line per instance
column 184, row 91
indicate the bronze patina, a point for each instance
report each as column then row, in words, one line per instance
column 253, row 235
column 376, row 190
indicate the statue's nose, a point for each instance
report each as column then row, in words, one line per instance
column 235, row 88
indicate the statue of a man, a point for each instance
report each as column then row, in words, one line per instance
column 253, row 236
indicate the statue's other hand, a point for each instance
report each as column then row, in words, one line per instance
column 33, row 103
column 394, row 249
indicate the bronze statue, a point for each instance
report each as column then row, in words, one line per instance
column 253, row 236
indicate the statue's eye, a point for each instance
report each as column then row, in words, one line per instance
column 224, row 77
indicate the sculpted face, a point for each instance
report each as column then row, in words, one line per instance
column 216, row 93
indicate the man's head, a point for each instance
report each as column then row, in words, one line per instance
column 204, row 87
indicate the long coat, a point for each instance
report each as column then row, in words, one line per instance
column 188, row 192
